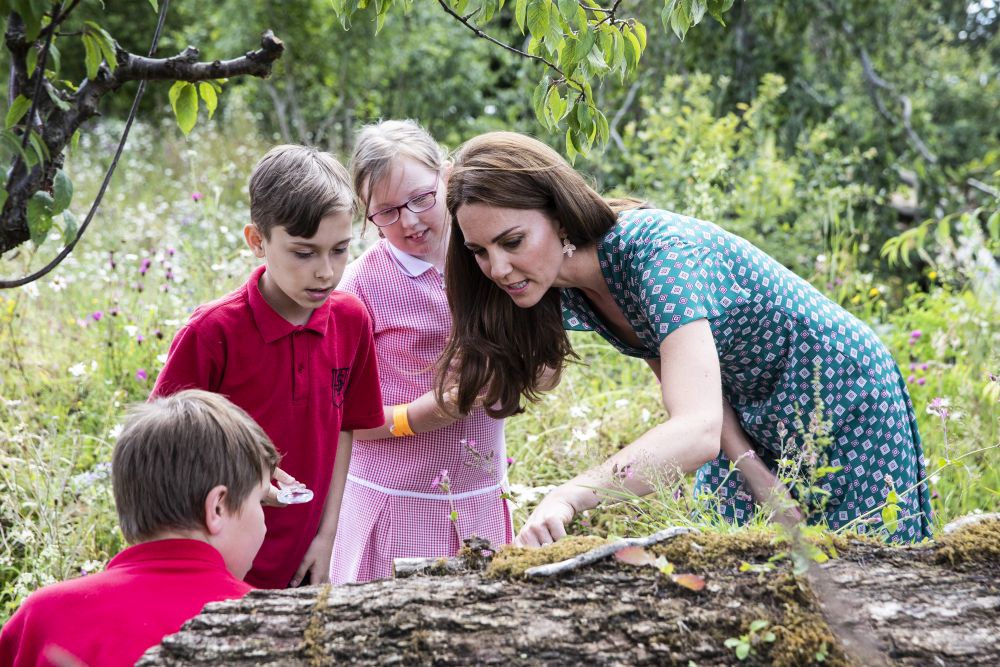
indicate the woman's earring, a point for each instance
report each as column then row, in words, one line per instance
column 568, row 248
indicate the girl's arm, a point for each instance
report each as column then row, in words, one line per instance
column 423, row 414
column 691, row 388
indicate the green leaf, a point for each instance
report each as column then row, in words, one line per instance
column 74, row 142
column 696, row 10
column 568, row 8
column 556, row 106
column 39, row 216
column 208, row 94
column 538, row 18
column 56, row 100
column 890, row 518
column 640, row 32
column 603, row 130
column 3, row 199
column 571, row 150
column 520, row 14
column 55, row 58
column 70, row 227
column 92, row 55
column 31, row 61
column 62, row 192
column 184, row 100
column 12, row 144
column 758, row 625
column 31, row 12
column 155, row 5
column 742, row 651
column 538, row 98
column 40, row 148
column 716, row 8
column 105, row 43
column 17, row 110
column 633, row 50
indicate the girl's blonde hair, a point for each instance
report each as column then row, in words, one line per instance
column 380, row 144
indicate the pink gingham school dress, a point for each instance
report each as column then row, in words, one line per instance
column 393, row 504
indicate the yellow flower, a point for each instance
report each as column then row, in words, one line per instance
column 856, row 298
column 932, row 275
column 873, row 292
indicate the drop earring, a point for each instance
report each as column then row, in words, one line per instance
column 567, row 247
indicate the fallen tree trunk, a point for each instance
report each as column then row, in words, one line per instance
column 937, row 604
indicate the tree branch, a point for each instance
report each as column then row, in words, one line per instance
column 185, row 66
column 480, row 33
column 59, row 126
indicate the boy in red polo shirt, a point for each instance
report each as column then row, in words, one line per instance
column 297, row 356
column 189, row 473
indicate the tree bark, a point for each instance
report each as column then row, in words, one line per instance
column 903, row 606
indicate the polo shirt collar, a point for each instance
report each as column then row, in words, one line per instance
column 273, row 326
column 408, row 264
column 170, row 551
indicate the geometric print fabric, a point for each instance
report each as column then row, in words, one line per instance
column 780, row 343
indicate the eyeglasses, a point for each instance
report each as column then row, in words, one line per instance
column 417, row 203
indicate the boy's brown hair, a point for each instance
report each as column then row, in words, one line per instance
column 295, row 187
column 174, row 450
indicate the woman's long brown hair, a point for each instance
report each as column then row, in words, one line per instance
column 499, row 352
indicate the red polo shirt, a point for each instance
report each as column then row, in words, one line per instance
column 303, row 385
column 111, row 618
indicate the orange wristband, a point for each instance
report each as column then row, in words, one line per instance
column 400, row 422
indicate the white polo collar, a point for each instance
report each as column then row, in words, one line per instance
column 410, row 265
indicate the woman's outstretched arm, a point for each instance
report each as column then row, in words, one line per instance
column 691, row 387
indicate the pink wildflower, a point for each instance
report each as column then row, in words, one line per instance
column 97, row 315
column 197, row 196
column 141, row 375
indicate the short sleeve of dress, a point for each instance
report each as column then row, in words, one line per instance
column 679, row 280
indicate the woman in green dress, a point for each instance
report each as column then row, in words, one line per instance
column 742, row 347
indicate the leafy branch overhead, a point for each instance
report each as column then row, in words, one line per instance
column 577, row 42
column 46, row 110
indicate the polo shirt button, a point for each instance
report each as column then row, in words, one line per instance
column 301, row 368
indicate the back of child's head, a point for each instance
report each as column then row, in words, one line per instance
column 380, row 144
column 295, row 187
column 173, row 450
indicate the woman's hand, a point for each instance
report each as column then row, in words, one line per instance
column 547, row 523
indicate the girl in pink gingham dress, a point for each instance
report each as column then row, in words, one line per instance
column 421, row 494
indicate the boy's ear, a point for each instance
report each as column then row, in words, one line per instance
column 216, row 513
column 254, row 239
column 446, row 170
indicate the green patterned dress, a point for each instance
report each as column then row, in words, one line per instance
column 780, row 344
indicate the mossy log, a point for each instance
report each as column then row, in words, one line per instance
column 926, row 605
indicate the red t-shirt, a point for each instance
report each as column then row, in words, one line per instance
column 111, row 618
column 302, row 383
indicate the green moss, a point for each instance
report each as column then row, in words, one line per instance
column 976, row 543
column 703, row 551
column 511, row 562
column 802, row 631
column 313, row 639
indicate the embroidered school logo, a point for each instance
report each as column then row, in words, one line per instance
column 339, row 384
